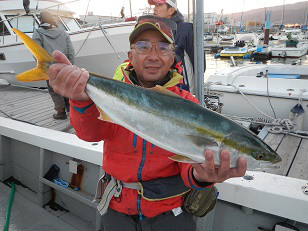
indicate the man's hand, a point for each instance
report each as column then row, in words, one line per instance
column 67, row 79
column 207, row 172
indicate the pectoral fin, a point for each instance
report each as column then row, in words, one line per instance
column 103, row 115
column 182, row 159
column 202, row 141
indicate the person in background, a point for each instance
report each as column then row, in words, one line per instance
column 184, row 40
column 129, row 158
column 51, row 38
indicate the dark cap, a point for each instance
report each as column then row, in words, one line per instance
column 149, row 22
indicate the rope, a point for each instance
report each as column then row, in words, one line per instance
column 255, row 107
column 276, row 126
column 106, row 35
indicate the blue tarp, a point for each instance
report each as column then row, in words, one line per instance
column 284, row 76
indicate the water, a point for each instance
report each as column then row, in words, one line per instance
column 215, row 65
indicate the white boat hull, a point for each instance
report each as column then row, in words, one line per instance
column 93, row 49
column 289, row 52
column 242, row 108
column 282, row 93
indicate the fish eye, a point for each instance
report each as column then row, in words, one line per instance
column 260, row 156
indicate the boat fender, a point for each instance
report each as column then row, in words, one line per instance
column 259, row 49
column 246, row 56
column 217, row 55
column 297, row 116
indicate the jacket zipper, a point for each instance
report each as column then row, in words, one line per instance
column 140, row 177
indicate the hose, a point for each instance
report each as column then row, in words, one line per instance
column 8, row 212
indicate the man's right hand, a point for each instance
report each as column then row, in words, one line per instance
column 67, row 79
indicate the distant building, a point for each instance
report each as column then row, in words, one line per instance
column 210, row 18
column 90, row 19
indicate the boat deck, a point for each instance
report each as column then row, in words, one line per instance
column 27, row 216
column 32, row 106
column 36, row 107
column 294, row 153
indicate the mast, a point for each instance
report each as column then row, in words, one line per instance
column 267, row 27
column 282, row 18
column 130, row 7
column 242, row 17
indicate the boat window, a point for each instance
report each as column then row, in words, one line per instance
column 71, row 23
column 23, row 23
column 3, row 29
column 60, row 23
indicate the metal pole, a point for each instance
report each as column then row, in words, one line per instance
column 130, row 7
column 188, row 13
column 199, row 50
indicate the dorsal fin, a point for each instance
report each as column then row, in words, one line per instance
column 163, row 90
column 103, row 115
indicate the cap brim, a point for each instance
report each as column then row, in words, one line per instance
column 144, row 27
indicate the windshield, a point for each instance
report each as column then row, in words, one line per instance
column 23, row 23
column 71, row 23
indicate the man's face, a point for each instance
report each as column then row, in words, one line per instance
column 161, row 10
column 150, row 67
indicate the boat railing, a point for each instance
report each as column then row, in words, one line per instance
column 5, row 27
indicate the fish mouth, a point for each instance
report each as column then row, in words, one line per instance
column 277, row 160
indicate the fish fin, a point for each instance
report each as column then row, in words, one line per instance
column 182, row 159
column 41, row 55
column 103, row 115
column 202, row 141
column 163, row 90
column 35, row 74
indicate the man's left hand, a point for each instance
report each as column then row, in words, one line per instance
column 207, row 172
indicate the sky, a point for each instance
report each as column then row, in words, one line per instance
column 113, row 8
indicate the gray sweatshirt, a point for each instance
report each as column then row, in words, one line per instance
column 55, row 39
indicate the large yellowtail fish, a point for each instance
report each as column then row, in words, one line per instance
column 164, row 119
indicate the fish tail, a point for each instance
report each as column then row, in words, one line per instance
column 43, row 58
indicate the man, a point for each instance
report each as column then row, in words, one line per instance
column 51, row 38
column 129, row 158
column 184, row 39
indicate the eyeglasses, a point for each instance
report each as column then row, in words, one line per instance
column 144, row 47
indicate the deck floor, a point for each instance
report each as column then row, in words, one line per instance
column 36, row 107
column 294, row 153
column 32, row 106
column 27, row 216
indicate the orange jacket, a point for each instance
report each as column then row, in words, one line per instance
column 129, row 158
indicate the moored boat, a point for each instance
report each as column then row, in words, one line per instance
column 272, row 89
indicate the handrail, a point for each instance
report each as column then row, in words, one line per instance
column 36, row 11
